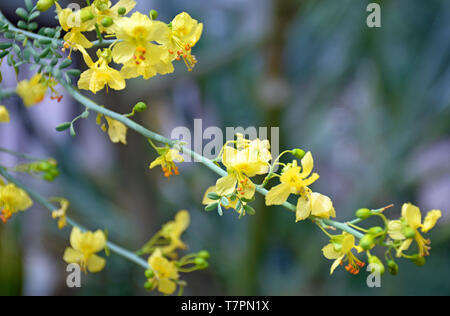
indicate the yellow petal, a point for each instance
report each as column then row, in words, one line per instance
column 395, row 230
column 157, row 162
column 72, row 256
column 182, row 220
column 322, row 206
column 4, row 115
column 303, row 208
column 278, row 194
column 226, row 185
column 307, row 164
column 336, row 264
column 404, row 246
column 166, row 286
column 206, row 199
column 330, row 252
column 117, row 131
column 123, row 52
column 430, row 220
column 75, row 238
column 95, row 263
column 412, row 215
column 348, row 242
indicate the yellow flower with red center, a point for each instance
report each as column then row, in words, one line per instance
column 165, row 273
column 185, row 33
column 249, row 159
column 167, row 158
column 137, row 50
column 407, row 228
column 32, row 91
column 100, row 74
column 340, row 249
column 295, row 180
column 12, row 200
column 84, row 247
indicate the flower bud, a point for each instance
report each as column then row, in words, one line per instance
column 101, row 5
column 363, row 213
column 44, row 5
column 298, row 153
column 366, row 242
column 107, row 21
column 392, row 267
column 203, row 254
column 374, row 260
column 121, row 11
column 153, row 14
column 148, row 285
column 140, row 107
column 86, row 15
column 418, row 260
column 149, row 274
column 375, row 230
column 408, row 232
column 199, row 261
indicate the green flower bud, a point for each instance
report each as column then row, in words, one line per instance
column 48, row 177
column 153, row 14
column 44, row 5
column 140, row 107
column 408, row 232
column 101, row 5
column 107, row 21
column 392, row 267
column 363, row 213
column 418, row 260
column 298, row 153
column 149, row 274
column 366, row 242
column 199, row 261
column 376, row 261
column 375, row 230
column 86, row 15
column 148, row 285
column 44, row 166
column 121, row 11
column 203, row 254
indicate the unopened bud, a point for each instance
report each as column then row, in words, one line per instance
column 149, row 274
column 107, row 21
column 418, row 260
column 392, row 267
column 121, row 11
column 363, row 213
column 298, row 153
column 203, row 254
column 148, row 285
column 374, row 260
column 153, row 14
column 140, row 107
column 366, row 242
column 86, row 15
column 375, row 230
column 408, row 232
column 44, row 5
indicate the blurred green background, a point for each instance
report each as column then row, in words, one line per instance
column 372, row 104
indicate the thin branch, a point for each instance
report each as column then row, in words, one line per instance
column 46, row 204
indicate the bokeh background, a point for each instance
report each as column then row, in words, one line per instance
column 371, row 104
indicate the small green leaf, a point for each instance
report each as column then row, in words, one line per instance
column 249, row 210
column 74, row 72
column 224, row 201
column 32, row 26
column 85, row 114
column 211, row 207
column 45, row 53
column 3, row 54
column 66, row 63
column 72, row 131
column 16, row 49
column 34, row 15
column 29, row 5
column 219, row 210
column 5, row 45
column 213, row 196
column 22, row 24
column 64, row 126
column 22, row 13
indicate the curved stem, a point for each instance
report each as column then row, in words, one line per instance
column 43, row 201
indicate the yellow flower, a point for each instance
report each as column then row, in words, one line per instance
column 60, row 214
column 102, row 9
column 166, row 273
column 251, row 158
column 207, row 200
column 340, row 249
column 167, row 158
column 12, row 200
column 173, row 231
column 407, row 228
column 100, row 74
column 185, row 33
column 72, row 23
column 4, row 115
column 295, row 180
column 84, row 249
column 117, row 131
column 138, row 53
column 32, row 91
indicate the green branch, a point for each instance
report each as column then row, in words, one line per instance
column 46, row 204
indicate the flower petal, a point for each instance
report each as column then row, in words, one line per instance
column 278, row 194
column 430, row 220
column 412, row 215
column 95, row 263
column 226, row 185
column 303, row 208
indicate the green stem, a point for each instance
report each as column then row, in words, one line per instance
column 43, row 201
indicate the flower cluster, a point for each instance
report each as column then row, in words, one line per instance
column 164, row 263
column 143, row 46
column 12, row 200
